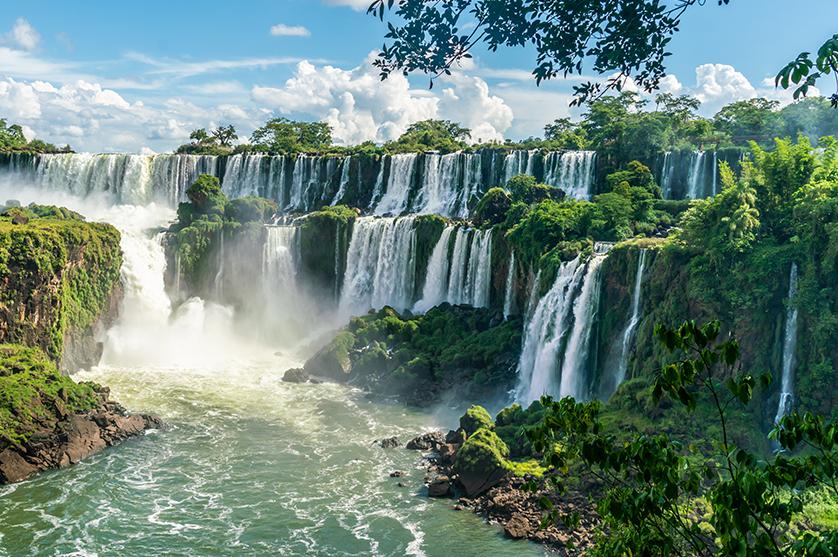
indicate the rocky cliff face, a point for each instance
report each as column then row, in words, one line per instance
column 59, row 278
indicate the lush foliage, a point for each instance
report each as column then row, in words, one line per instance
column 33, row 390
column 430, row 135
column 217, row 142
column 69, row 266
column 284, row 136
column 612, row 37
column 664, row 497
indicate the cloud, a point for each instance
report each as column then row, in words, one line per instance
column 183, row 69
column 360, row 107
column 23, row 35
column 282, row 30
column 358, row 5
column 94, row 118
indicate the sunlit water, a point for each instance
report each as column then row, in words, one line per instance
column 247, row 465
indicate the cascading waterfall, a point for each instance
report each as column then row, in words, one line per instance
column 631, row 327
column 380, row 265
column 344, row 181
column 696, row 175
column 667, row 172
column 789, row 348
column 715, row 172
column 470, row 279
column 571, row 171
column 436, row 279
column 439, row 187
column 544, row 334
column 509, row 291
column 279, row 261
column 399, row 181
column 555, row 355
column 218, row 284
column 517, row 163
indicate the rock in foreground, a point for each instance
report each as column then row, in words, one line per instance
column 49, row 421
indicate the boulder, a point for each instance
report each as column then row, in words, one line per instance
column 333, row 362
column 439, row 487
column 448, row 453
column 475, row 418
column 518, row 527
column 427, row 441
column 296, row 376
column 388, row 443
column 13, row 467
column 482, row 462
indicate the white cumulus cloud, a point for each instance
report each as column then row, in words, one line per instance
column 354, row 4
column 282, row 30
column 360, row 107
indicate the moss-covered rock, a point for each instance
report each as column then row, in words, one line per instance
column 482, row 462
column 60, row 280
column 476, row 417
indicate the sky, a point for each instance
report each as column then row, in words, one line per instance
column 109, row 76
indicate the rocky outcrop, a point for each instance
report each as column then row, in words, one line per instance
column 60, row 281
column 62, row 438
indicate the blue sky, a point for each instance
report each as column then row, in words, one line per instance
column 128, row 76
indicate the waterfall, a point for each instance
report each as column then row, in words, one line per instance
column 399, row 181
column 555, row 356
column 667, row 172
column 344, row 181
column 516, row 163
column 585, row 310
column 470, row 280
column 509, row 293
column 789, row 347
column 435, row 290
column 715, row 172
column 439, row 188
column 244, row 176
column 695, row 176
column 544, row 333
column 380, row 265
column 280, row 264
column 571, row 171
column 628, row 333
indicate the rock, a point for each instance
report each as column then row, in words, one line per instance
column 401, row 484
column 333, row 362
column 397, row 474
column 475, row 418
column 481, row 462
column 14, row 468
column 518, row 527
column 448, row 454
column 296, row 376
column 455, row 437
column 427, row 441
column 388, row 443
column 439, row 487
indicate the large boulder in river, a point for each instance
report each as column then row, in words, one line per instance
column 296, row 376
column 430, row 441
column 333, row 362
column 475, row 418
column 482, row 462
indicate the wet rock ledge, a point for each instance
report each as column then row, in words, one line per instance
column 49, row 421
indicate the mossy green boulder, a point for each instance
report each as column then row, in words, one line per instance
column 476, row 418
column 482, row 462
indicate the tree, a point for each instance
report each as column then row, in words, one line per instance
column 200, row 137
column 805, row 72
column 225, row 135
column 566, row 134
column 749, row 120
column 662, row 497
column 281, row 135
column 622, row 37
column 431, row 135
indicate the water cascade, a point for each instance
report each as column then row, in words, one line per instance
column 789, row 347
column 399, row 181
column 509, row 291
column 571, row 171
column 380, row 265
column 695, row 178
column 436, row 279
column 555, row 355
column 470, row 279
column 631, row 327
column 666, row 175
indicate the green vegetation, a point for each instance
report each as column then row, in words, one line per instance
column 57, row 274
column 218, row 142
column 284, row 136
column 711, row 495
column 12, row 140
column 430, row 135
column 32, row 391
column 418, row 358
